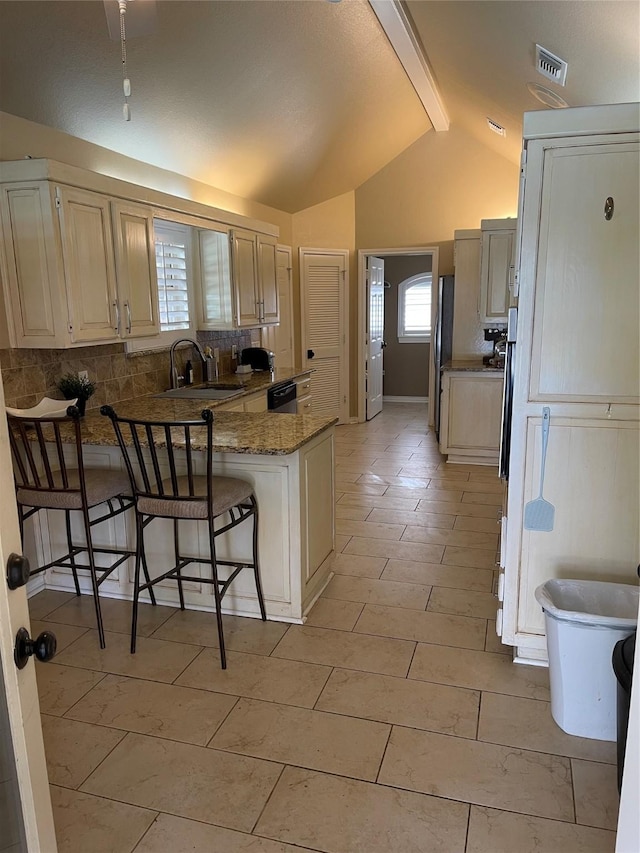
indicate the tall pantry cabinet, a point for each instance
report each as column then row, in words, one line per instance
column 577, row 352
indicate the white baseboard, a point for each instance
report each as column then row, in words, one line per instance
column 405, row 399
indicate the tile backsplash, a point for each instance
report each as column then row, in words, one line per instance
column 30, row 374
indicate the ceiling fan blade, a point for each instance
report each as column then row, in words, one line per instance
column 140, row 18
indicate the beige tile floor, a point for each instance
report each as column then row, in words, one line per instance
column 392, row 722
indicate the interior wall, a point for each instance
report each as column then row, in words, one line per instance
column 406, row 366
column 20, row 138
column 442, row 182
column 330, row 225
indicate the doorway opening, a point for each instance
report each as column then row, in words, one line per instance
column 406, row 360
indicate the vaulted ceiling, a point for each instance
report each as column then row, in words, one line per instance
column 291, row 102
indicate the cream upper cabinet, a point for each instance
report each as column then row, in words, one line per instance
column 216, row 309
column 497, row 267
column 268, row 280
column 87, row 249
column 136, row 270
column 244, row 265
column 34, row 277
column 253, row 264
column 238, row 279
column 585, row 344
column 78, row 258
column 80, row 267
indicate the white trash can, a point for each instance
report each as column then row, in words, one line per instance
column 584, row 620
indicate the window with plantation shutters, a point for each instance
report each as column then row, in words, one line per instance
column 173, row 281
column 414, row 309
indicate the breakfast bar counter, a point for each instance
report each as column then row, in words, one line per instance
column 289, row 459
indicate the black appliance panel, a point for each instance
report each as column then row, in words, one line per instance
column 281, row 399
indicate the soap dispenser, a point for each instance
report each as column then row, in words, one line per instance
column 188, row 373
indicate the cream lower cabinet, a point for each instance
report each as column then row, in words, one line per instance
column 591, row 478
column 256, row 402
column 69, row 278
column 296, row 532
column 251, row 403
column 470, row 416
column 303, row 395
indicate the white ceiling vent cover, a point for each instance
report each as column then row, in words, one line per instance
column 550, row 65
column 495, row 127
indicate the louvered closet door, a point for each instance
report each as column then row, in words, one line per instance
column 323, row 284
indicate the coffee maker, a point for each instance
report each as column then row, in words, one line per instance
column 257, row 358
column 498, row 336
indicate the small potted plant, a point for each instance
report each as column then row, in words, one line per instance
column 72, row 386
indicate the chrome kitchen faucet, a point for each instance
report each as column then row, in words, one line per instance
column 173, row 372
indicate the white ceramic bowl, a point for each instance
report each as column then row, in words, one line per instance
column 46, row 408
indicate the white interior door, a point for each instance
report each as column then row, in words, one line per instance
column 375, row 335
column 324, row 306
column 26, row 820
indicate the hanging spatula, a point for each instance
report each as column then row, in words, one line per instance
column 539, row 514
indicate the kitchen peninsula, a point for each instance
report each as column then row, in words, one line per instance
column 288, row 458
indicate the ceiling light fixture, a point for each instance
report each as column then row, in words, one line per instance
column 126, row 83
column 546, row 96
column 495, row 127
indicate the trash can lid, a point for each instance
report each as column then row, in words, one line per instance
column 622, row 659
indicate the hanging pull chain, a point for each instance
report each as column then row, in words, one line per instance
column 126, row 83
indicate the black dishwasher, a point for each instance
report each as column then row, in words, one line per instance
column 281, row 399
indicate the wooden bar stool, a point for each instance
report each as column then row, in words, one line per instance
column 165, row 485
column 45, row 480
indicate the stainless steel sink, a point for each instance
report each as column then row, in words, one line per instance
column 209, row 393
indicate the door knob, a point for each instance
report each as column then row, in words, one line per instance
column 310, row 353
column 18, row 571
column 43, row 647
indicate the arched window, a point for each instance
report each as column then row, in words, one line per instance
column 414, row 309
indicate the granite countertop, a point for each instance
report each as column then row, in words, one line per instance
column 471, row 364
column 261, row 433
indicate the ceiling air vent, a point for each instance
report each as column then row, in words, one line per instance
column 496, row 128
column 550, row 65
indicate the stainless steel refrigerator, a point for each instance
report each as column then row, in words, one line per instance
column 442, row 340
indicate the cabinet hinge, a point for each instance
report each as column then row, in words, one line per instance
column 58, row 200
column 70, row 327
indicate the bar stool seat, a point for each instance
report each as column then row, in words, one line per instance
column 227, row 493
column 50, row 478
column 100, row 485
column 148, row 449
